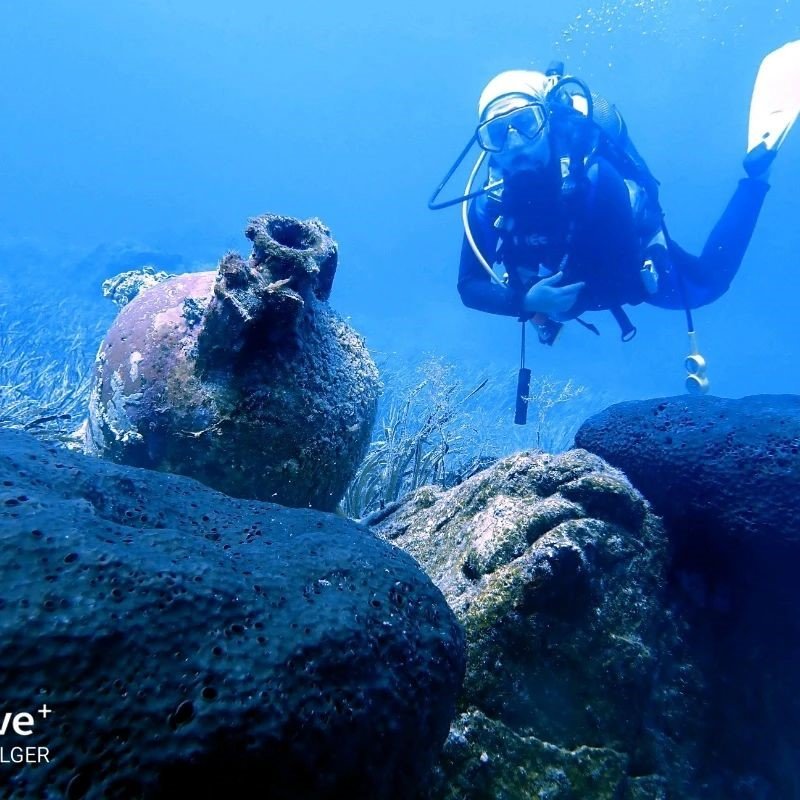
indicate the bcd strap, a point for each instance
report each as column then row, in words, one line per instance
column 626, row 327
column 588, row 326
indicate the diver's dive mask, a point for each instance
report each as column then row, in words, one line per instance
column 528, row 113
column 518, row 113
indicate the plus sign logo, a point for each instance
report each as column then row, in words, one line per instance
column 22, row 723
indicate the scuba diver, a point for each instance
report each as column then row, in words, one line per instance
column 571, row 212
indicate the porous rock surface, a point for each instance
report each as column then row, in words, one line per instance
column 188, row 643
column 243, row 378
column 555, row 566
column 725, row 475
column 730, row 464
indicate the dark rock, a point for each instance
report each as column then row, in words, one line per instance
column 730, row 464
column 187, row 642
column 725, row 476
column 244, row 378
column 556, row 568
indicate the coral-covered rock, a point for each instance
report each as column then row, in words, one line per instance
column 106, row 260
column 123, row 288
column 487, row 759
column 556, row 568
column 725, row 476
column 243, row 378
column 186, row 642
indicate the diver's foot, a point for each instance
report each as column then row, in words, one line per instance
column 758, row 162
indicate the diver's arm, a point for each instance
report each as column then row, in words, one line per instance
column 480, row 292
column 475, row 286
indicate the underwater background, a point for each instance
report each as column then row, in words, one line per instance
column 643, row 643
column 166, row 126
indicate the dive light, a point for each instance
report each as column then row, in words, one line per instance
column 696, row 366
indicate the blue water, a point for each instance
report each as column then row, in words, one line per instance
column 169, row 124
column 166, row 124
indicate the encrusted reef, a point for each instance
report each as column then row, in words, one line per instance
column 576, row 684
column 243, row 378
column 725, row 476
column 192, row 645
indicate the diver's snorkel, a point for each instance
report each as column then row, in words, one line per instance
column 468, row 195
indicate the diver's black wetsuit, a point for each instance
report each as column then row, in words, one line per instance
column 605, row 249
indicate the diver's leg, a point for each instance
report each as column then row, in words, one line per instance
column 685, row 279
column 708, row 277
column 728, row 241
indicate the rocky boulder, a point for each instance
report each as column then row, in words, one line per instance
column 184, row 640
column 710, row 461
column 243, row 378
column 725, row 475
column 575, row 685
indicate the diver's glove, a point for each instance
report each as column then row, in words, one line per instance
column 544, row 297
